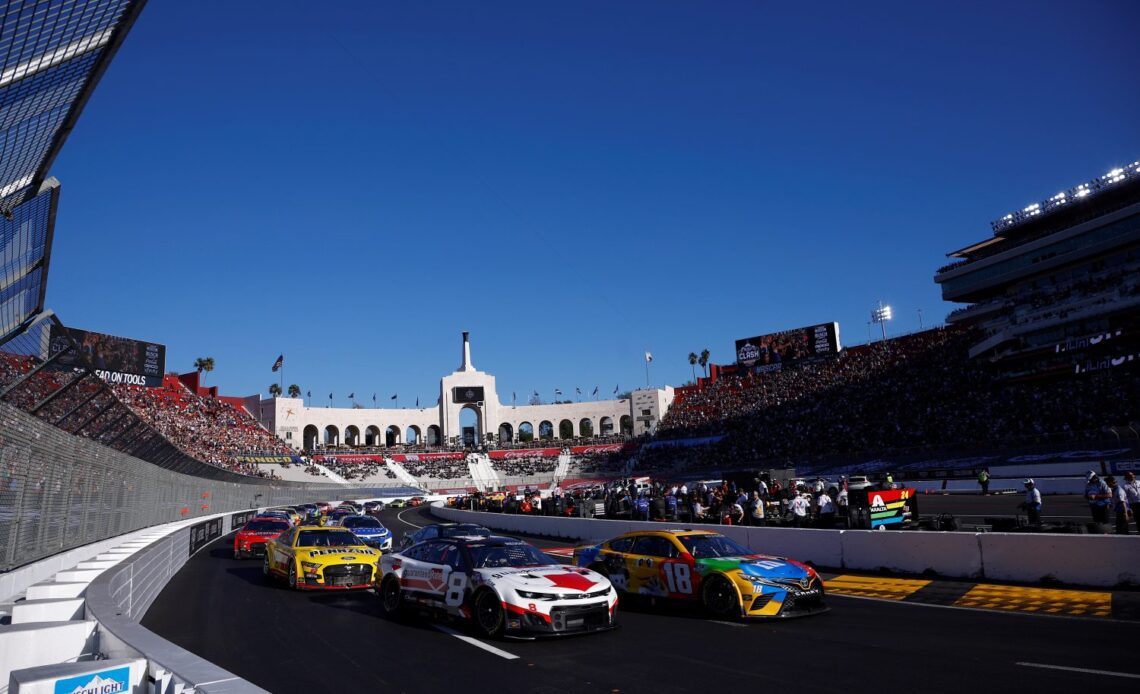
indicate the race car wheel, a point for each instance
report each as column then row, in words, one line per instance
column 489, row 613
column 293, row 576
column 391, row 600
column 720, row 598
column 265, row 568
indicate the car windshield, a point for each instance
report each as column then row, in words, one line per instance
column 362, row 523
column 326, row 538
column 712, row 546
column 466, row 530
column 513, row 554
column 266, row 526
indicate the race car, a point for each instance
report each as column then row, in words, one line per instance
column 312, row 557
column 397, row 503
column 370, row 530
column 338, row 515
column 505, row 586
column 438, row 530
column 251, row 537
column 696, row 565
column 416, row 501
column 276, row 514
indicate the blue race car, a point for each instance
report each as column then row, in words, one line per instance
column 370, row 530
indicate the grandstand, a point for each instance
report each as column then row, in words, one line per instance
column 1056, row 289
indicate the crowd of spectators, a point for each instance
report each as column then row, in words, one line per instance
column 524, row 466
column 896, row 395
column 205, row 428
column 350, row 469
column 438, row 468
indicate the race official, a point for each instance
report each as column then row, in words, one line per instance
column 1120, row 505
column 1132, row 491
column 826, row 511
column 1098, row 496
column 799, row 506
column 1032, row 503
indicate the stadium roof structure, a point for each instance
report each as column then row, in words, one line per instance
column 52, row 54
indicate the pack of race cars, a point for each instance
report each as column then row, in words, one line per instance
column 504, row 586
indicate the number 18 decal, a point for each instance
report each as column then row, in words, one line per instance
column 678, row 578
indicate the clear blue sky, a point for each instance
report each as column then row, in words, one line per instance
column 353, row 184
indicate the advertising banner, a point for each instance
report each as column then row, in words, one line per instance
column 116, row 359
column 890, row 506
column 241, row 518
column 770, row 352
column 467, row 394
column 204, row 533
column 279, row 459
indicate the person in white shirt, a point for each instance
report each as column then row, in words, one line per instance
column 756, row 509
column 826, row 512
column 799, row 506
column 763, row 489
column 1118, row 499
column 1132, row 491
column 1032, row 503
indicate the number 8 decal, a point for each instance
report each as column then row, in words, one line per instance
column 456, row 583
column 679, row 578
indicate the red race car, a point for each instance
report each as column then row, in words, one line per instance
column 250, row 540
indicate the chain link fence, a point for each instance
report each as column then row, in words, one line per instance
column 59, row 491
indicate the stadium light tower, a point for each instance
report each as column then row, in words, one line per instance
column 881, row 315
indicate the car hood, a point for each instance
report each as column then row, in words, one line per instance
column 556, row 578
column 760, row 565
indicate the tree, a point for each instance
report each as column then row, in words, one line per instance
column 274, row 390
column 565, row 429
column 693, row 364
column 704, row 361
column 203, row 364
column 526, row 436
column 294, row 391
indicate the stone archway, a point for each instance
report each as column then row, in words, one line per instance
column 545, row 430
column 332, row 435
column 372, row 436
column 351, row 436
column 586, row 427
column 470, row 425
column 566, row 429
column 526, row 432
column 413, row 435
column 311, row 437
column 393, row 436
column 506, row 433
column 433, row 435
column 626, row 423
column 606, row 426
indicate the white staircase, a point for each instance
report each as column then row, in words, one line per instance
column 333, row 477
column 563, row 468
column 401, row 474
column 482, row 474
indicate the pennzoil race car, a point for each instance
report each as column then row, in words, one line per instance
column 503, row 585
column 312, row 557
column 696, row 565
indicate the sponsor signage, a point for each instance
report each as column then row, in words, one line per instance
column 467, row 394
column 241, row 518
column 116, row 359
column 204, row 533
column 103, row 682
column 770, row 352
column 281, row 459
column 889, row 506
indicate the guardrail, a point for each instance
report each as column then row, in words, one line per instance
column 1089, row 560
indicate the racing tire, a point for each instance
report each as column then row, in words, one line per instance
column 237, row 554
column 720, row 599
column 293, row 576
column 265, row 570
column 391, row 597
column 487, row 613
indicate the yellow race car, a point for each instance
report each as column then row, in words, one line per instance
column 316, row 558
column 729, row 579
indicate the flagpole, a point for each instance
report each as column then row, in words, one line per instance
column 647, row 372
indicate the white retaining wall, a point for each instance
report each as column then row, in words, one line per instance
column 1092, row 560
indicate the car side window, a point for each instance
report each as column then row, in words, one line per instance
column 434, row 552
column 287, row 538
column 654, row 546
column 622, row 544
column 430, row 533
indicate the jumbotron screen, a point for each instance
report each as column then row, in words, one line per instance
column 770, row 352
column 116, row 359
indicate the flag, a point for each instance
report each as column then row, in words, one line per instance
column 279, row 363
column 374, row 398
column 536, row 393
column 557, row 392
column 579, row 390
column 648, row 357
column 514, row 396
column 393, row 396
column 351, row 395
column 417, row 401
column 309, row 394
column 595, row 391
column 615, row 390
column 330, row 396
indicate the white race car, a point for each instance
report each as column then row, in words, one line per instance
column 503, row 585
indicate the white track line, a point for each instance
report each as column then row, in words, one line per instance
column 400, row 517
column 476, row 642
column 1083, row 670
column 728, row 624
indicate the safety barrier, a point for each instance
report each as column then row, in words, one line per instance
column 1091, row 560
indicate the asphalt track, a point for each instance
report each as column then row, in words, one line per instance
column 288, row 642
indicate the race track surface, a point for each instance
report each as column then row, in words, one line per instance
column 223, row 610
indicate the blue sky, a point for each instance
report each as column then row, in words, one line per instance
column 574, row 183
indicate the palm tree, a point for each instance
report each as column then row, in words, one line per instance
column 204, row 364
column 294, row 391
column 693, row 364
column 274, row 390
column 704, row 361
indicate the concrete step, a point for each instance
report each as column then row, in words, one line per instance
column 47, row 610
column 52, row 589
column 43, row 643
column 77, row 575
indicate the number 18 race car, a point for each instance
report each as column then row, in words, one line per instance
column 696, row 565
column 503, row 585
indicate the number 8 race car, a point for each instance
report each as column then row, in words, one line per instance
column 503, row 585
column 696, row 565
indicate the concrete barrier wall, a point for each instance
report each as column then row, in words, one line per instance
column 1090, row 560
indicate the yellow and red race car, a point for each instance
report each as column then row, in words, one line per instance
column 317, row 558
column 729, row 579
